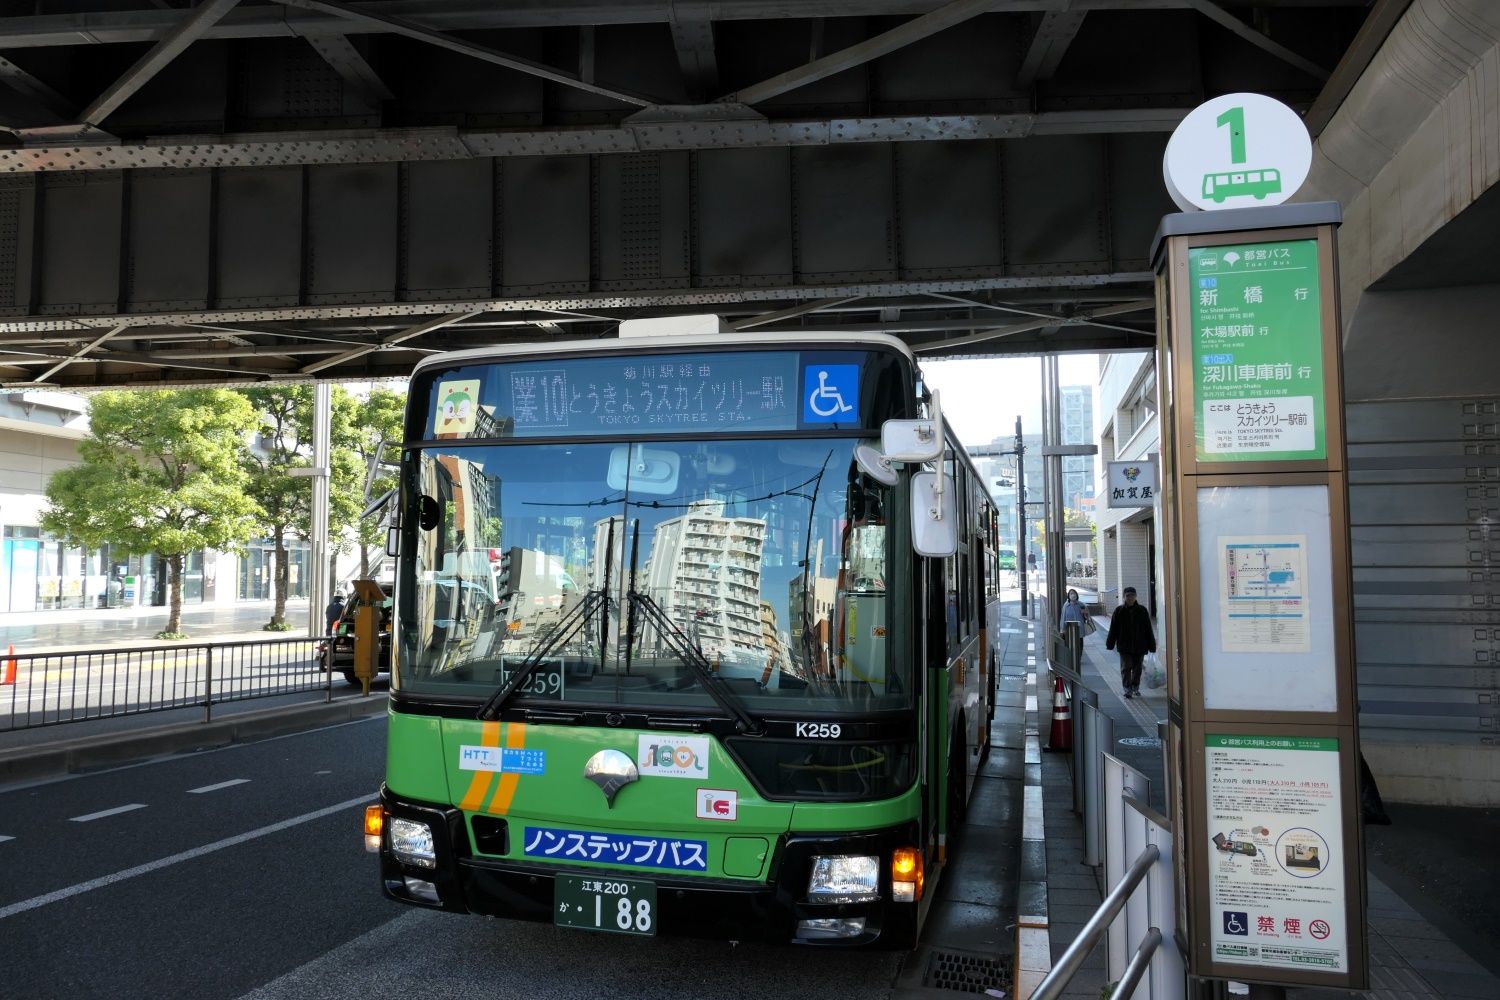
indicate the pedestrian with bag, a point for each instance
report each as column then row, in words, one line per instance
column 1073, row 611
column 1131, row 633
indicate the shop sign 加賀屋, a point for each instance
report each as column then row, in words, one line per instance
column 1132, row 484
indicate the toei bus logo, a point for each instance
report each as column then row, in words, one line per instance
column 681, row 757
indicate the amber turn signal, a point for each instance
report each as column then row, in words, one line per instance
column 906, row 874
column 374, row 825
column 374, row 820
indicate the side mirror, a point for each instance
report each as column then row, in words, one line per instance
column 392, row 541
column 914, row 440
column 875, row 465
column 934, row 524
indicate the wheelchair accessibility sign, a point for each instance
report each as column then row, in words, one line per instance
column 830, row 394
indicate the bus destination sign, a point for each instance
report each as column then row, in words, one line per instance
column 650, row 394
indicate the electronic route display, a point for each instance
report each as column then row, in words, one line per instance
column 632, row 394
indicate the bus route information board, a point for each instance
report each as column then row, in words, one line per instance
column 1256, row 313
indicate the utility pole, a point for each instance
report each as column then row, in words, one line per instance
column 1021, row 566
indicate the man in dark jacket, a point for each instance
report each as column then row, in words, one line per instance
column 334, row 611
column 1130, row 631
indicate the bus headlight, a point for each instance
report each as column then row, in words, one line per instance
column 844, row 878
column 411, row 842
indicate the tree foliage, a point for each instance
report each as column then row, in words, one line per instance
column 162, row 472
column 377, row 442
column 285, row 442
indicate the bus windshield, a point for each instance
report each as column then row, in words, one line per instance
column 618, row 572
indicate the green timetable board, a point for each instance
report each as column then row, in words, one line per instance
column 1256, row 311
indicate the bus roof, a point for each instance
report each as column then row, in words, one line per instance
column 684, row 341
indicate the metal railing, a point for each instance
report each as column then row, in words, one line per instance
column 1067, row 966
column 54, row 688
column 1111, row 797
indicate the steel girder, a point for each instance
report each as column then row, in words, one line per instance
column 336, row 190
column 670, row 231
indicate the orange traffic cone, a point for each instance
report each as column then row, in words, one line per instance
column 10, row 665
column 1061, row 737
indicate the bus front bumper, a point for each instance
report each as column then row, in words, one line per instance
column 774, row 910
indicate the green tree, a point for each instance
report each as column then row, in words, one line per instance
column 286, row 418
column 1071, row 519
column 377, row 438
column 162, row 472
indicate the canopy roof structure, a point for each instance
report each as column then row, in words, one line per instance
column 247, row 191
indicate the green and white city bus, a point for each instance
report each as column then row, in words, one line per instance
column 669, row 655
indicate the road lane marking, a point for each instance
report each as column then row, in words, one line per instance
column 223, row 784
column 107, row 812
column 59, row 895
column 4, row 838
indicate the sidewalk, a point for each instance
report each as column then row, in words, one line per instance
column 1411, row 956
column 46, row 631
column 41, row 751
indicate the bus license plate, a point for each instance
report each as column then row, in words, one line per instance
column 625, row 906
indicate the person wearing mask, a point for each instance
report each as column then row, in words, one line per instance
column 1131, row 633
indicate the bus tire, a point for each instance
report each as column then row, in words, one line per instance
column 350, row 676
column 958, row 804
column 994, row 688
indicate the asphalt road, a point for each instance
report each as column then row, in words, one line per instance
column 242, row 872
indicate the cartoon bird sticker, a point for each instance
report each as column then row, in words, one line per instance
column 456, row 407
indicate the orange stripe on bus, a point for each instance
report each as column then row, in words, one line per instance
column 515, row 738
column 479, row 784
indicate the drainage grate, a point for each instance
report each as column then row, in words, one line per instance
column 967, row 973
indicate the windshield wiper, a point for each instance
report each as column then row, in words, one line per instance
column 694, row 658
column 567, row 627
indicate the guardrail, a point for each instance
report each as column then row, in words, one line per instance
column 1131, row 841
column 1068, row 964
column 55, row 688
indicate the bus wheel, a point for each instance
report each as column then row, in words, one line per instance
column 994, row 688
column 958, row 804
column 349, row 676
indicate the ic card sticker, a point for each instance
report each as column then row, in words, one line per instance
column 718, row 803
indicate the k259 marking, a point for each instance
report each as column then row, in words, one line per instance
column 820, row 730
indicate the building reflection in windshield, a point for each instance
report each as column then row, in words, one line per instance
column 747, row 557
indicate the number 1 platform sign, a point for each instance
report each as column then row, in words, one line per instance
column 1236, row 151
column 1256, row 312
